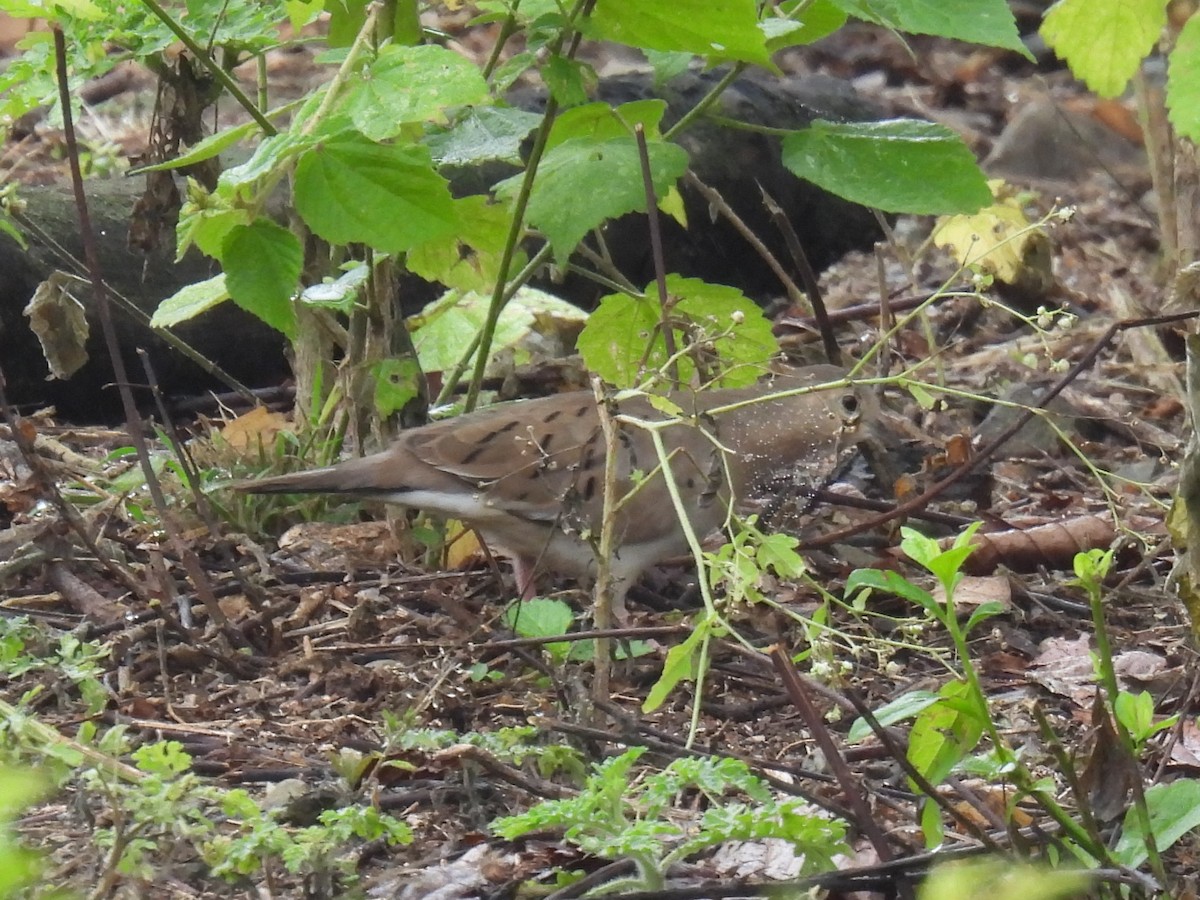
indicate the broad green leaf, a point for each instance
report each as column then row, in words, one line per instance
column 350, row 190
column 668, row 64
column 605, row 173
column 623, row 340
column 19, row 789
column 442, row 331
column 262, row 263
column 396, row 384
column 268, row 156
column 901, row 165
column 601, row 122
column 945, row 732
column 80, row 9
column 1174, row 811
column 777, row 553
column 906, row 706
column 815, row 21
column 411, row 84
column 20, row 867
column 479, row 135
column 469, row 259
column 1104, row 41
column 188, row 302
column 301, row 12
column 346, row 18
column 988, row 22
column 1183, row 81
column 727, row 30
column 507, row 73
column 540, row 617
column 568, row 80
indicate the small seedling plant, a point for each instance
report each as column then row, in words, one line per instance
column 621, row 813
column 948, row 725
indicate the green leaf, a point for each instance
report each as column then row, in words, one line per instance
column 1183, row 81
column 411, row 84
column 667, row 64
column 727, row 30
column 302, row 12
column 945, row 732
column 444, row 328
column 944, row 564
column 188, row 302
column 346, row 17
column 268, row 156
column 1174, row 811
column 468, row 259
column 682, row 664
column 988, row 22
column 211, row 146
column 777, row 552
column 483, row 134
column 262, row 263
column 1104, row 41
column 1135, row 712
column 607, row 173
column 19, row 866
column 396, row 384
column 818, row 19
column 19, row 789
column 79, row 9
column 622, row 339
column 540, row 618
column 901, row 165
column 893, row 583
column 350, row 190
column 601, row 122
column 7, row 227
column 1002, row 879
column 568, row 80
column 906, row 706
column 206, row 219
column 984, row 612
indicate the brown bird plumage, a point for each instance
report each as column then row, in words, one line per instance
column 528, row 476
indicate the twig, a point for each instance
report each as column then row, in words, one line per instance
column 714, row 198
column 807, row 276
column 656, row 253
column 132, row 420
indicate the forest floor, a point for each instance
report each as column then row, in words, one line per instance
column 348, row 676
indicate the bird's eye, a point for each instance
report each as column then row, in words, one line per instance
column 850, row 406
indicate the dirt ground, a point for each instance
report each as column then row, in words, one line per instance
column 340, row 634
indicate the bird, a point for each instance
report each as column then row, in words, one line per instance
column 528, row 476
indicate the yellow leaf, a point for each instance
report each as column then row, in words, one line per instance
column 999, row 240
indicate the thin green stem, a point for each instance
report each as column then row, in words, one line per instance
column 450, row 382
column 706, row 101
column 226, row 80
column 517, row 226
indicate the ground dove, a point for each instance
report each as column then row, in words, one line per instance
column 528, row 476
